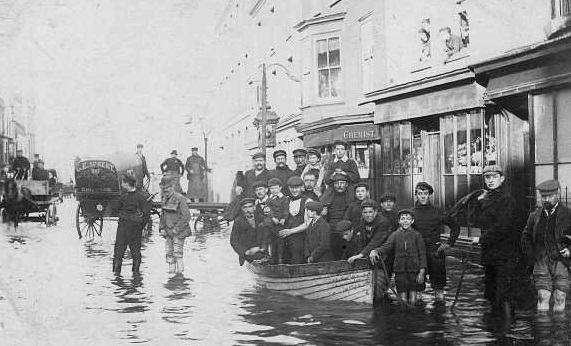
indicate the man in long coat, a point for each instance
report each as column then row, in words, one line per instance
column 196, row 173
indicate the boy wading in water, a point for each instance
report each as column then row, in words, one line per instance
column 409, row 257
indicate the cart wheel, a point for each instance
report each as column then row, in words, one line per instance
column 87, row 226
column 206, row 221
column 51, row 215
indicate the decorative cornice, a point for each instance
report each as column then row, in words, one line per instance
column 332, row 122
column 304, row 24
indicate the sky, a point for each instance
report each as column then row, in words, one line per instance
column 108, row 74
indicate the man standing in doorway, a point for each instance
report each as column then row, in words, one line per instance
column 196, row 173
column 500, row 240
column 282, row 171
column 430, row 221
column 547, row 238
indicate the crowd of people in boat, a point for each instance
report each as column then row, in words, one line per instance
column 323, row 212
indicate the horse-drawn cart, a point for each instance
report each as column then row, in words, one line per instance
column 28, row 200
column 208, row 216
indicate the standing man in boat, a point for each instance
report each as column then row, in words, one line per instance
column 430, row 221
column 245, row 238
column 317, row 243
column 309, row 182
column 336, row 204
column 296, row 223
column 547, row 239
column 300, row 159
column 388, row 210
column 282, row 171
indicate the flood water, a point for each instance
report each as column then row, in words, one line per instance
column 64, row 291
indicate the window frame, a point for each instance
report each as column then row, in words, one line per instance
column 327, row 36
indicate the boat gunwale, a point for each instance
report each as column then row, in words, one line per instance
column 307, row 269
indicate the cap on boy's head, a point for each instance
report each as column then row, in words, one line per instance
column 548, row 187
column 279, row 153
column 362, row 184
column 313, row 151
column 493, row 169
column 314, row 206
column 259, row 183
column 342, row 226
column 423, row 185
column 274, row 182
column 174, row 152
column 299, row 152
column 295, row 181
column 340, row 142
column 258, row 155
column 339, row 176
column 194, row 149
column 370, row 203
column 247, row 201
column 406, row 212
column 388, row 196
column 167, row 181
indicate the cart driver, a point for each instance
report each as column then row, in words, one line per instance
column 39, row 172
column 21, row 165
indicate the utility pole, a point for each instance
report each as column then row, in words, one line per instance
column 264, row 109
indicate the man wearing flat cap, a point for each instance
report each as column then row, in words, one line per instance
column 500, row 240
column 134, row 211
column 282, row 171
column 196, row 174
column 300, row 159
column 246, row 238
column 429, row 221
column 546, row 239
column 172, row 166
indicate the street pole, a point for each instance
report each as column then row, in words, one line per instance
column 264, row 109
column 206, row 164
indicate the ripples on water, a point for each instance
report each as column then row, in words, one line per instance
column 73, row 298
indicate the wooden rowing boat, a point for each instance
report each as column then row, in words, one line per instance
column 330, row 281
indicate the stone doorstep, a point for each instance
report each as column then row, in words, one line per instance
column 12, row 331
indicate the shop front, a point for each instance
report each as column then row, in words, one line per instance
column 364, row 148
column 444, row 135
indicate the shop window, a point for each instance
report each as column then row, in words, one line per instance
column 328, row 68
column 362, row 158
column 396, row 161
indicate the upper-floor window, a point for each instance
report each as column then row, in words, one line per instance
column 560, row 8
column 328, row 67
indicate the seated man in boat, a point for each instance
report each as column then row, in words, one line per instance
column 317, row 238
column 245, row 238
column 409, row 266
column 352, row 242
column 374, row 228
column 353, row 212
column 296, row 223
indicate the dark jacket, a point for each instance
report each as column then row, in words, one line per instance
column 243, row 237
column 250, row 178
column 392, row 216
column 429, row 221
column 353, row 212
column 374, row 233
column 279, row 206
column 408, row 250
column 134, row 208
column 311, row 194
column 40, row 174
column 172, row 164
column 353, row 246
column 317, row 241
column 529, row 238
column 349, row 167
column 337, row 204
column 499, row 240
column 283, row 174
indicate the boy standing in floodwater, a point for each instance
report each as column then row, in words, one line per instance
column 409, row 257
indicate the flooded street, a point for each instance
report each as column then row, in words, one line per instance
column 65, row 293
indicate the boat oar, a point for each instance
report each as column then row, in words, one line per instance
column 464, row 259
column 388, row 281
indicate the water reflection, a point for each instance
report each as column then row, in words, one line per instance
column 130, row 294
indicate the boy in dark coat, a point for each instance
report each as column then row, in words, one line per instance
column 317, row 240
column 277, row 205
column 409, row 266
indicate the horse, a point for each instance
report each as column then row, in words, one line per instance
column 15, row 201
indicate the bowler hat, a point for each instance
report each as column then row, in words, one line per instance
column 370, row 203
column 294, row 181
column 339, row 176
column 549, row 187
column 405, row 211
column 314, row 206
column 174, row 152
column 274, row 182
column 278, row 153
column 493, row 169
column 259, row 183
column 423, row 185
column 247, row 200
column 258, row 155
column 312, row 151
column 299, row 152
column 388, row 196
column 342, row 226
column 340, row 142
column 362, row 184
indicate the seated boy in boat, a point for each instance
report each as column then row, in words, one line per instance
column 317, row 239
column 351, row 242
column 278, row 205
column 409, row 252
